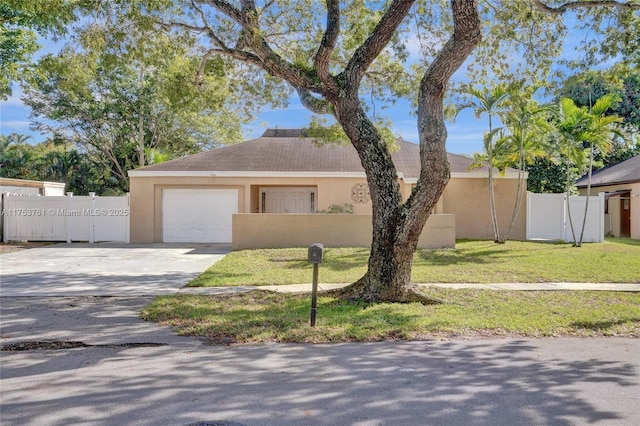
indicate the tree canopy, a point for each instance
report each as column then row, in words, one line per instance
column 119, row 89
column 21, row 23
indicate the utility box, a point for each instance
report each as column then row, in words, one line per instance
column 314, row 254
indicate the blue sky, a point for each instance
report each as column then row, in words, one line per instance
column 465, row 135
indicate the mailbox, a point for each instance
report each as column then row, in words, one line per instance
column 314, row 254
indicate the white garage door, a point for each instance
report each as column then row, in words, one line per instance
column 198, row 215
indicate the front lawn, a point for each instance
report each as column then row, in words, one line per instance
column 617, row 260
column 258, row 316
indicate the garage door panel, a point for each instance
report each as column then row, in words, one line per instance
column 198, row 215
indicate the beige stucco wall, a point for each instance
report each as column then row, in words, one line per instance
column 468, row 200
column 612, row 220
column 146, row 197
column 332, row 230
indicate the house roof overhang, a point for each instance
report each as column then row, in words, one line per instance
column 288, row 153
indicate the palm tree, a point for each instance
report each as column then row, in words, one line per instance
column 528, row 127
column 578, row 127
column 15, row 156
column 601, row 131
column 491, row 103
column 156, row 156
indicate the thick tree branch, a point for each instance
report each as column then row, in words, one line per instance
column 203, row 64
column 559, row 10
column 434, row 173
column 226, row 8
column 313, row 104
column 329, row 40
column 252, row 47
column 377, row 41
column 249, row 13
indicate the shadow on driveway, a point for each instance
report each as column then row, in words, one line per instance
column 105, row 269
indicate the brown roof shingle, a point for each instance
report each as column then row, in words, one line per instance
column 627, row 171
column 287, row 150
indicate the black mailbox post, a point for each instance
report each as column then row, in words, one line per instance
column 314, row 256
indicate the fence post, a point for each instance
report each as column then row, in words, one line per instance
column 67, row 219
column 5, row 222
column 565, row 212
column 92, row 225
column 527, row 236
column 128, row 221
column 601, row 201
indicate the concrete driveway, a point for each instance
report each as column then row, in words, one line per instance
column 105, row 269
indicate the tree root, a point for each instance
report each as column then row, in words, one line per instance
column 358, row 291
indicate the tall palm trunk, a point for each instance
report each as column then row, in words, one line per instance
column 568, row 195
column 520, row 187
column 586, row 203
column 492, row 196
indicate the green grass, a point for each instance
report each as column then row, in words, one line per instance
column 258, row 317
column 616, row 260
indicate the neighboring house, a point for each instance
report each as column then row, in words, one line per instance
column 30, row 187
column 260, row 193
column 22, row 187
column 621, row 185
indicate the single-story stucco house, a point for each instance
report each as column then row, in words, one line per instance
column 31, row 187
column 26, row 188
column 621, row 185
column 268, row 192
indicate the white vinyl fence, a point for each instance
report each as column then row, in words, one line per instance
column 85, row 218
column 548, row 217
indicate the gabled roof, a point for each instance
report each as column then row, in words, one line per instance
column 288, row 150
column 627, row 171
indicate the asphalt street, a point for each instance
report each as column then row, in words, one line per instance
column 136, row 373
column 91, row 360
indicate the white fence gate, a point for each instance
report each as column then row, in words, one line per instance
column 548, row 217
column 85, row 218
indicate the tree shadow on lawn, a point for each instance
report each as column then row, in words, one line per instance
column 461, row 257
column 602, row 326
column 346, row 262
column 620, row 240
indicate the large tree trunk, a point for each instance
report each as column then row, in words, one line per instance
column 395, row 233
column 396, row 225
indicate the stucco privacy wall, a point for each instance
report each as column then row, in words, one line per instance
column 146, row 196
column 468, row 200
column 264, row 230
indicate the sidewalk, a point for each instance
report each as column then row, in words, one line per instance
column 306, row 288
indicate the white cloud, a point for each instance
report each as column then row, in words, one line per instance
column 13, row 100
column 14, row 124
